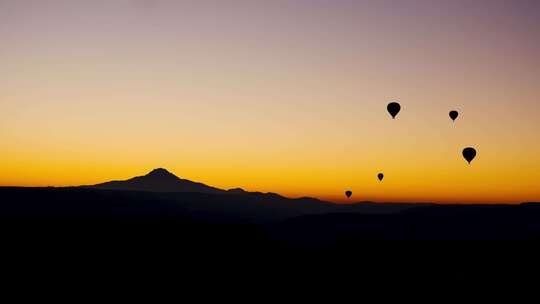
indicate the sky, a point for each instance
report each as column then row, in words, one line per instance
column 275, row 96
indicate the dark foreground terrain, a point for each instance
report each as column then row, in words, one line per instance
column 251, row 219
column 256, row 231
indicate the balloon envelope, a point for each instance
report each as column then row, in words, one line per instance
column 469, row 154
column 454, row 115
column 348, row 194
column 394, row 108
column 380, row 176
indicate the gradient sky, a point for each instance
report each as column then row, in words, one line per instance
column 281, row 96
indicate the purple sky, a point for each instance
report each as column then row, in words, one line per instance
column 283, row 96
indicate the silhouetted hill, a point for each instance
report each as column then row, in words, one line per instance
column 159, row 180
column 206, row 226
column 160, row 205
column 196, row 229
column 162, row 181
column 92, row 202
column 302, row 221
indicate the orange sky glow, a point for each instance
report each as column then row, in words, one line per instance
column 275, row 96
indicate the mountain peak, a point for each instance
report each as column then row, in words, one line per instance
column 161, row 173
column 159, row 180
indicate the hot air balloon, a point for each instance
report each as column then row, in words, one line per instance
column 394, row 108
column 348, row 194
column 469, row 154
column 380, row 176
column 454, row 115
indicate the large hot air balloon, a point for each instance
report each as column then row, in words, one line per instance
column 348, row 194
column 454, row 115
column 380, row 176
column 394, row 108
column 469, row 154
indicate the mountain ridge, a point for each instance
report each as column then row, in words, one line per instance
column 161, row 180
column 158, row 180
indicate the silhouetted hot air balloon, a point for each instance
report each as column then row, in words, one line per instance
column 380, row 176
column 394, row 108
column 348, row 194
column 454, row 115
column 469, row 154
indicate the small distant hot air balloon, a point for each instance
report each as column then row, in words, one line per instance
column 454, row 115
column 380, row 176
column 469, row 154
column 348, row 194
column 394, row 108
